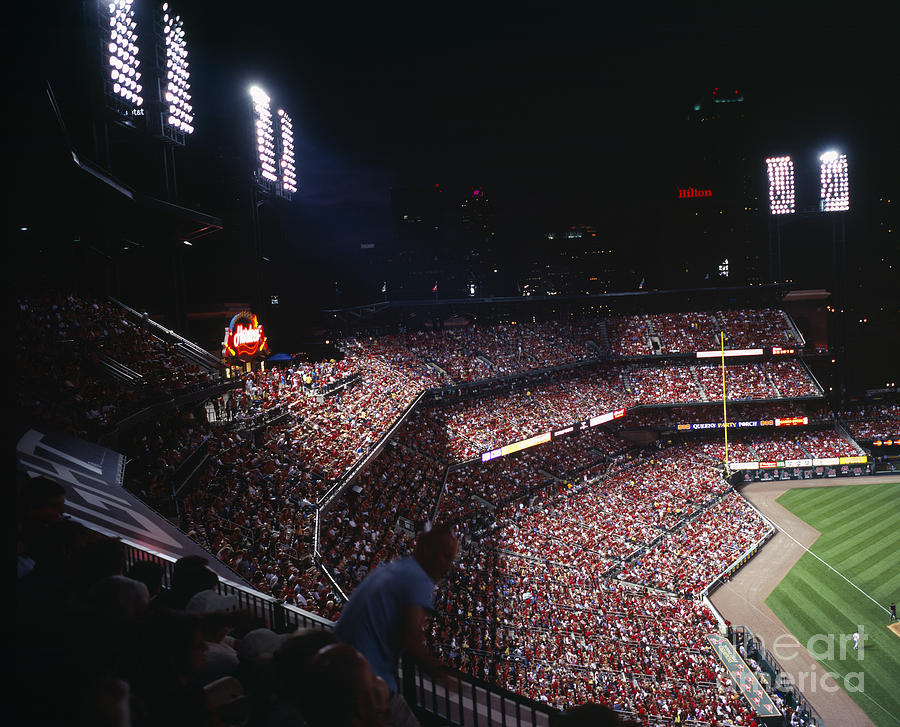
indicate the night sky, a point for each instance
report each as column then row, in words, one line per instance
column 562, row 117
column 553, row 115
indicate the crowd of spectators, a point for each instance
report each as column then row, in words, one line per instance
column 690, row 559
column 529, row 607
column 668, row 384
column 253, row 508
column 62, row 340
column 791, row 379
column 551, row 556
column 102, row 642
column 362, row 527
column 684, row 332
column 758, row 328
column 873, row 421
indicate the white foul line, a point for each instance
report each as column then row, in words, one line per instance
column 840, row 574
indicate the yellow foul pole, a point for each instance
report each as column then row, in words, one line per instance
column 724, row 404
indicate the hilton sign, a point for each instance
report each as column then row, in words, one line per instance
column 244, row 336
column 691, row 192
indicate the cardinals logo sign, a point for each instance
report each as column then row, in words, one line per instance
column 244, row 336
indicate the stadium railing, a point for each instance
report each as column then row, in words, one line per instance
column 332, row 493
column 462, row 701
column 744, row 557
column 792, row 696
column 188, row 349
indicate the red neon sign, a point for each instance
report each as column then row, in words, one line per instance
column 244, row 336
column 791, row 421
column 691, row 192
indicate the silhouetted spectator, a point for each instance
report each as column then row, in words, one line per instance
column 341, row 690
column 150, row 573
column 385, row 616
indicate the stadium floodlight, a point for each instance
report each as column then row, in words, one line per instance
column 265, row 135
column 174, row 83
column 781, row 185
column 123, row 82
column 835, row 188
column 288, row 167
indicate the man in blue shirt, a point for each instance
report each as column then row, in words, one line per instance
column 385, row 616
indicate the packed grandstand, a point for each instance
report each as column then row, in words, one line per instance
column 582, row 463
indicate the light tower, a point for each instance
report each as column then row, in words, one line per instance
column 273, row 174
column 833, row 197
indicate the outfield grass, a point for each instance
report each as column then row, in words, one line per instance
column 860, row 526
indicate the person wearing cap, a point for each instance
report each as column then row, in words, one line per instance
column 220, row 658
column 385, row 616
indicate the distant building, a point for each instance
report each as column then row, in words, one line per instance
column 477, row 218
column 417, row 215
column 713, row 215
column 575, row 261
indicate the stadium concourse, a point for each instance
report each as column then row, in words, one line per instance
column 585, row 558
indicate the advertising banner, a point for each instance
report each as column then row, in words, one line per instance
column 743, row 677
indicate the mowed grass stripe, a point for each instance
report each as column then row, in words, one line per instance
column 818, row 504
column 814, row 610
column 860, row 509
column 845, row 540
column 877, row 549
column 860, row 526
column 876, row 578
column 865, row 542
column 843, row 512
column 856, row 516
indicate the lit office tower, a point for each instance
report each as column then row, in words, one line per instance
column 781, row 185
column 835, row 195
column 123, row 81
column 175, row 87
column 477, row 217
column 288, row 167
column 265, row 137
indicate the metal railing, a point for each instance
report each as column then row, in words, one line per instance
column 464, row 700
column 281, row 617
column 793, row 697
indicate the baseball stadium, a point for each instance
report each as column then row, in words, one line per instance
column 672, row 501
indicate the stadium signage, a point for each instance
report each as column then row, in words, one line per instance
column 547, row 436
column 244, row 336
column 791, row 421
column 798, row 463
column 787, row 463
column 826, row 461
column 779, row 351
column 788, row 422
column 690, row 193
column 516, row 447
column 743, row 677
column 603, row 418
column 730, row 353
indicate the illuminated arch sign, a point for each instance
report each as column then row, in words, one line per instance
column 244, row 336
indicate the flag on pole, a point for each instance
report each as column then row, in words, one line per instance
column 384, row 287
column 434, row 289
